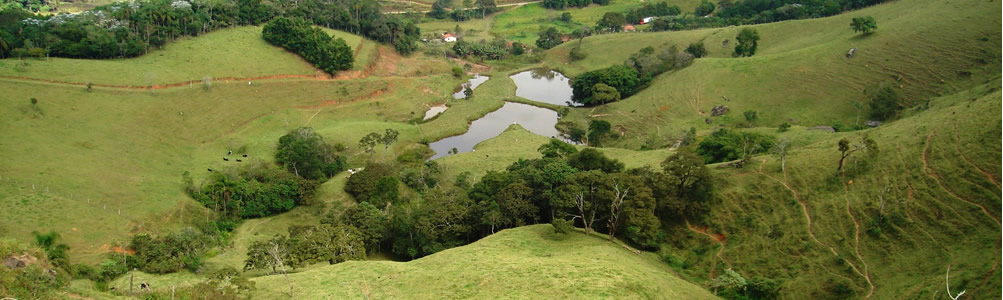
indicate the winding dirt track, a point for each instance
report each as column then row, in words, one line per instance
column 804, row 208
column 719, row 238
column 856, row 235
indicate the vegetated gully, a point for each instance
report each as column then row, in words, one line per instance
column 545, row 86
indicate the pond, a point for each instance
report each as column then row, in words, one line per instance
column 537, row 120
column 435, row 111
column 543, row 85
column 473, row 83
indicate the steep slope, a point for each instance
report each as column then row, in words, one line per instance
column 520, row 263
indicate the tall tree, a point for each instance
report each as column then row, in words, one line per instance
column 748, row 41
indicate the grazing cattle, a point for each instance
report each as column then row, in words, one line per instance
column 144, row 286
column 851, row 52
column 228, row 152
column 238, row 160
column 226, row 159
column 245, row 155
column 210, row 170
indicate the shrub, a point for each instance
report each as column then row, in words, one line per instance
column 885, row 103
column 562, row 226
column 697, row 50
column 577, row 54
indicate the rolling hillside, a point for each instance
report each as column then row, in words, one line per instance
column 800, row 73
column 522, row 263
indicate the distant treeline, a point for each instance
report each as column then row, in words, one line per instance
column 127, row 29
column 743, row 12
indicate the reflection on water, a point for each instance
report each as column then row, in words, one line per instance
column 473, row 83
column 537, row 120
column 543, row 85
column 434, row 111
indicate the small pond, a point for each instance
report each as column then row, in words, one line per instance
column 435, row 111
column 473, row 83
column 543, row 85
column 540, row 121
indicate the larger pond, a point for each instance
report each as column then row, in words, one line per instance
column 543, row 85
column 537, row 120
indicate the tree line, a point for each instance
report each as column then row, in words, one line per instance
column 620, row 81
column 565, row 187
column 745, row 12
column 128, row 29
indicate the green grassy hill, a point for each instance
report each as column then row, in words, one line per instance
column 887, row 228
column 521, row 263
column 800, row 73
column 237, row 52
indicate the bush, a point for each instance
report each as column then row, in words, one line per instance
column 885, row 103
column 697, row 50
column 784, row 127
column 577, row 54
column 562, row 226
column 748, row 41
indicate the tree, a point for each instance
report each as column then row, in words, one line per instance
column 304, row 153
column 485, row 5
column 864, row 25
column 591, row 159
column 597, row 130
column 705, row 8
column 730, row 280
column 603, row 93
column 515, row 205
column 623, row 78
column 781, row 148
column 548, row 38
column 697, row 49
column 369, row 141
column 278, row 254
column 556, row 149
column 389, row 138
column 363, row 184
column 585, row 197
column 885, row 103
column 439, row 9
column 369, row 220
column 748, row 41
column 612, row 21
column 467, row 91
column 847, row 148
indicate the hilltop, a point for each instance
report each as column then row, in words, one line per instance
column 519, row 263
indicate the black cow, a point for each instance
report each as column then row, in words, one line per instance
column 226, row 159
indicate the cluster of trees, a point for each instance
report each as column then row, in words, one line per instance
column 299, row 36
column 614, row 83
column 728, row 145
column 126, row 29
column 253, row 191
column 562, row 4
column 305, row 153
column 744, row 12
column 306, row 244
column 585, row 188
column 29, row 5
column 493, row 51
column 170, row 253
column 660, row 9
column 463, row 11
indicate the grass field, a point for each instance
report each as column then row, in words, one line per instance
column 519, row 263
column 936, row 180
column 233, row 52
column 800, row 73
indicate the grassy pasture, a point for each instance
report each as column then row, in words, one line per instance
column 800, row 74
column 231, row 52
column 933, row 170
column 524, row 262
